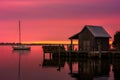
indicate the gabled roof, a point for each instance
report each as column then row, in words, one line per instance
column 74, row 36
column 97, row 31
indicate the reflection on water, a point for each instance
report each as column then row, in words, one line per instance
column 91, row 69
column 35, row 65
column 20, row 53
column 54, row 62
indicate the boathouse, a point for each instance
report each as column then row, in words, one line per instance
column 92, row 38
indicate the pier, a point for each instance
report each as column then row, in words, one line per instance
column 59, row 50
column 65, row 50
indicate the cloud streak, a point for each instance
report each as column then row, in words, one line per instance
column 59, row 10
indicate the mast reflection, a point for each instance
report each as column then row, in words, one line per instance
column 20, row 53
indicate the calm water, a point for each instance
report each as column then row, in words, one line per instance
column 25, row 65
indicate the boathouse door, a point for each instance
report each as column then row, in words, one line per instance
column 86, row 45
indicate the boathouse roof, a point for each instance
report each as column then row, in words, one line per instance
column 97, row 31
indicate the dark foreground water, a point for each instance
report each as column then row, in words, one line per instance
column 32, row 65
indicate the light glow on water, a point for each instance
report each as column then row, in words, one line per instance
column 32, row 65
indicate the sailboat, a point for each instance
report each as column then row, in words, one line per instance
column 20, row 46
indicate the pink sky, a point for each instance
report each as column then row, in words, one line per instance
column 55, row 20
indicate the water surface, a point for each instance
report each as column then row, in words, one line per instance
column 33, row 65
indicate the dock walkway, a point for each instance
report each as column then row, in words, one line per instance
column 59, row 50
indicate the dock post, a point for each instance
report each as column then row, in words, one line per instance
column 59, row 68
column 43, row 56
column 50, row 56
column 59, row 51
column 71, row 45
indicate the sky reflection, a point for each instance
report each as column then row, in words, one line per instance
column 34, row 66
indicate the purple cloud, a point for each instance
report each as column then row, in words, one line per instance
column 61, row 11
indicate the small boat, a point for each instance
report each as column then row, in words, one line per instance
column 20, row 46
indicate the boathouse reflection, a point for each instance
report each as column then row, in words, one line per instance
column 88, row 69
column 116, row 68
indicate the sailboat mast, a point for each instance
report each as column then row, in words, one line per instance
column 19, row 33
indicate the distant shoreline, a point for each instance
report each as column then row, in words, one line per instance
column 34, row 44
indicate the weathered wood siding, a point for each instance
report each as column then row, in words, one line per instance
column 87, row 42
column 103, row 42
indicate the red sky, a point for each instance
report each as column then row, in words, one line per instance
column 55, row 20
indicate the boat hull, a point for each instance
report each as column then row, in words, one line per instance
column 21, row 48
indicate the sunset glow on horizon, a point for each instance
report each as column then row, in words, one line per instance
column 52, row 42
column 55, row 20
column 57, row 42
